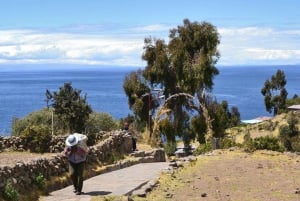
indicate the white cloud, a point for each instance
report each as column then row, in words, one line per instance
column 256, row 45
column 269, row 54
column 37, row 47
column 124, row 45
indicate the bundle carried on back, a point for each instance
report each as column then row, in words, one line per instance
column 81, row 141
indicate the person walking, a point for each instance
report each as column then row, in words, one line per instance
column 76, row 157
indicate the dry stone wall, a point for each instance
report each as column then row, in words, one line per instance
column 15, row 143
column 23, row 175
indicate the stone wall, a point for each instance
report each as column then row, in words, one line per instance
column 15, row 143
column 23, row 175
column 11, row 143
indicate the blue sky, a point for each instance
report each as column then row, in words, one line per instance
column 112, row 32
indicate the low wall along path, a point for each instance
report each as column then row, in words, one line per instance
column 23, row 175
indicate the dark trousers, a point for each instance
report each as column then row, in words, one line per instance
column 76, row 172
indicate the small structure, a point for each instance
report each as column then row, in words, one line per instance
column 256, row 120
column 294, row 108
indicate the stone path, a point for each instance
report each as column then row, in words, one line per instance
column 119, row 182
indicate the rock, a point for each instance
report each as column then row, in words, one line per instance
column 191, row 158
column 169, row 195
column 158, row 154
column 173, row 164
column 260, row 166
column 203, row 195
column 140, row 193
column 150, row 185
column 180, row 164
column 138, row 154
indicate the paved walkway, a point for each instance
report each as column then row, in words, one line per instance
column 119, row 182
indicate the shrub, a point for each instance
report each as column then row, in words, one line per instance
column 249, row 146
column 226, row 143
column 36, row 118
column 170, row 148
column 113, row 157
column 100, row 122
column 295, row 143
column 248, row 143
column 40, row 181
column 37, row 138
column 268, row 143
column 10, row 193
column 261, row 143
column 203, row 148
column 284, row 136
column 289, row 134
column 269, row 125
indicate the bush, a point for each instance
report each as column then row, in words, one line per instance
column 269, row 125
column 40, row 181
column 295, row 143
column 203, row 148
column 37, row 118
column 263, row 143
column 268, row 143
column 284, row 136
column 226, row 143
column 170, row 148
column 100, row 122
column 10, row 193
column 289, row 134
column 37, row 138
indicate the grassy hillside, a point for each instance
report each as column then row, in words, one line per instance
column 266, row 128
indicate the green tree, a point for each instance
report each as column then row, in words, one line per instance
column 289, row 134
column 135, row 88
column 199, row 126
column 185, row 65
column 235, row 117
column 70, row 107
column 295, row 100
column 275, row 93
column 221, row 119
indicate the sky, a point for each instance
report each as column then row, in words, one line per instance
column 112, row 32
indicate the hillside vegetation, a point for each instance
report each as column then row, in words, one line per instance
column 280, row 133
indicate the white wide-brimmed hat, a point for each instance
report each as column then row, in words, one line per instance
column 72, row 140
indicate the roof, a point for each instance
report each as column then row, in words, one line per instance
column 256, row 120
column 252, row 121
column 294, row 107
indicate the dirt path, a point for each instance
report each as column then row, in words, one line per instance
column 238, row 176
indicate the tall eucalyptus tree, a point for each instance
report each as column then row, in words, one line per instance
column 185, row 64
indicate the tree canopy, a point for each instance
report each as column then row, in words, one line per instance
column 275, row 93
column 70, row 107
column 184, row 65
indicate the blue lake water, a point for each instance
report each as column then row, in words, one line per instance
column 241, row 87
column 22, row 88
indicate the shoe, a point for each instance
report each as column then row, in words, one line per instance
column 78, row 193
